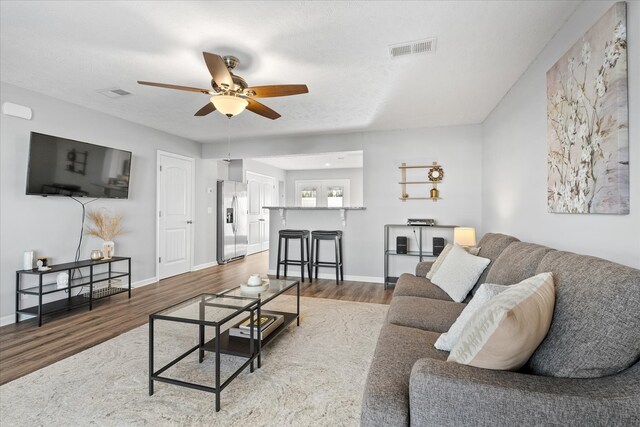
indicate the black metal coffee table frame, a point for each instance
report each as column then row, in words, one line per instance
column 254, row 351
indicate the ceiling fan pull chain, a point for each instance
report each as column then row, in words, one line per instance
column 229, row 139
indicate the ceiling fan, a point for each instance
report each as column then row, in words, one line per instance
column 230, row 93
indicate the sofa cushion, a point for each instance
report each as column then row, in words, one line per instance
column 424, row 313
column 386, row 395
column 410, row 285
column 596, row 322
column 516, row 263
column 422, row 268
column 505, row 332
column 459, row 273
column 491, row 246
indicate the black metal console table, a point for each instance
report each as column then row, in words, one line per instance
column 85, row 277
column 421, row 254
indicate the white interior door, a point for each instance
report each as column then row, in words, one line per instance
column 175, row 198
column 260, row 190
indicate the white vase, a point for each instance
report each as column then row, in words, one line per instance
column 108, row 249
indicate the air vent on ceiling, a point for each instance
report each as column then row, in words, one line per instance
column 413, row 47
column 114, row 93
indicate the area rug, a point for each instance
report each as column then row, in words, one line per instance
column 312, row 375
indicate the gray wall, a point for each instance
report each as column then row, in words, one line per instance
column 514, row 187
column 353, row 174
column 51, row 225
column 207, row 172
column 255, row 166
column 458, row 149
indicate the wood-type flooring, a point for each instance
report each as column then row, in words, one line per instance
column 25, row 347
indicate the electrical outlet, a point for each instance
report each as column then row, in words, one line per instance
column 209, row 210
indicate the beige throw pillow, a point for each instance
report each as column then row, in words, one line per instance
column 504, row 333
column 473, row 250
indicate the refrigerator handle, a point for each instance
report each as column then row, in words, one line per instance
column 234, row 206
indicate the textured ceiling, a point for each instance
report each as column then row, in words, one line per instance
column 70, row 50
column 341, row 160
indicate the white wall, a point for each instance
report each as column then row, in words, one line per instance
column 51, row 225
column 255, row 148
column 354, row 175
column 458, row 149
column 514, row 171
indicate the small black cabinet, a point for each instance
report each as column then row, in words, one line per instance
column 99, row 284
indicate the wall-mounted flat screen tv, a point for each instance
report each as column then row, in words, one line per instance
column 64, row 167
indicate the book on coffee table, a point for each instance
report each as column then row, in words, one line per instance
column 268, row 323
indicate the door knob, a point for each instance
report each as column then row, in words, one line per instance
column 189, row 222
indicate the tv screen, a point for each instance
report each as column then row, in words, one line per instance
column 64, row 167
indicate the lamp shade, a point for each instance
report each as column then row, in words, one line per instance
column 464, row 236
column 229, row 105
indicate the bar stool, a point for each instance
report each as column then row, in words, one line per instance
column 303, row 236
column 336, row 236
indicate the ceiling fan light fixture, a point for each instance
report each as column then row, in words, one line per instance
column 229, row 105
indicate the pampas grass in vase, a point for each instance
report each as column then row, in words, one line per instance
column 105, row 226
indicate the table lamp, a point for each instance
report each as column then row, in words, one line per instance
column 464, row 236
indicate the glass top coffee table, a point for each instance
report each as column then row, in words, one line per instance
column 214, row 311
column 239, row 346
column 206, row 310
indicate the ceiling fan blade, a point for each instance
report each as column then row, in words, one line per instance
column 209, row 108
column 168, row 86
column 261, row 109
column 276, row 90
column 218, row 70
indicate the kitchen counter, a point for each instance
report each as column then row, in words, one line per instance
column 282, row 211
column 349, row 220
column 319, row 208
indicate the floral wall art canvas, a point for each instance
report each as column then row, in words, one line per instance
column 587, row 122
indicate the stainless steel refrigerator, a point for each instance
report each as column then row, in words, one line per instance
column 232, row 221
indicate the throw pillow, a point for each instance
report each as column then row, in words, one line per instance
column 438, row 262
column 485, row 292
column 504, row 333
column 459, row 272
column 473, row 250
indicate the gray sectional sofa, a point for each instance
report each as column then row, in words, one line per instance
column 586, row 371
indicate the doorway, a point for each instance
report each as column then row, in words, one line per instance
column 260, row 191
column 175, row 200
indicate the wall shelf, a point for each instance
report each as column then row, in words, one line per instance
column 434, row 175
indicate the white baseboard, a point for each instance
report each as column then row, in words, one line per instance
column 203, row 266
column 331, row 276
column 7, row 320
column 144, row 282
